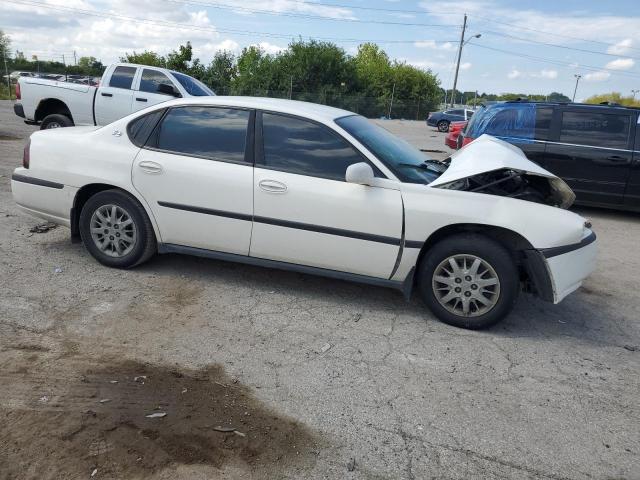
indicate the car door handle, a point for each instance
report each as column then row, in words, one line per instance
column 272, row 186
column 141, row 99
column 107, row 94
column 150, row 167
column 613, row 160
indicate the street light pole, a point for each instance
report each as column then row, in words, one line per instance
column 455, row 79
column 578, row 77
column 462, row 44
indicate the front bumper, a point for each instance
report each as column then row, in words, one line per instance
column 432, row 122
column 556, row 272
column 18, row 109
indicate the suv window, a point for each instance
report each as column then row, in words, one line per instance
column 151, row 79
column 595, row 129
column 299, row 146
column 122, row 77
column 209, row 132
column 543, row 123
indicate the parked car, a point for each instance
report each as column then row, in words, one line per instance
column 312, row 189
column 14, row 76
column 454, row 137
column 594, row 148
column 441, row 120
column 124, row 88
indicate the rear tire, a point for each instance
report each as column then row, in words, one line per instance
column 56, row 120
column 486, row 280
column 443, row 126
column 116, row 230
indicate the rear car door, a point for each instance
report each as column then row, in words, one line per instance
column 632, row 192
column 113, row 101
column 304, row 211
column 147, row 92
column 591, row 151
column 196, row 174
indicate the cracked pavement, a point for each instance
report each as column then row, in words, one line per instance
column 551, row 393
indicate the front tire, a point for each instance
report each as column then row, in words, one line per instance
column 116, row 230
column 55, row 120
column 469, row 281
column 443, row 126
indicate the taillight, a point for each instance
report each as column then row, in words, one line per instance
column 18, row 95
column 26, row 154
column 466, row 140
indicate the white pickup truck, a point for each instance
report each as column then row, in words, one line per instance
column 124, row 89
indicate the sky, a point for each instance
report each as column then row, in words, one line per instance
column 531, row 47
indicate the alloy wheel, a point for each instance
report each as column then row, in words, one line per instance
column 113, row 230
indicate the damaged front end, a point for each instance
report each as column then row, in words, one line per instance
column 494, row 167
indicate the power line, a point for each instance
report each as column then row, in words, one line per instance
column 304, row 15
column 165, row 23
column 555, row 45
column 493, row 20
column 556, row 62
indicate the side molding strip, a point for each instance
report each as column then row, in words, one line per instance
column 293, row 267
column 36, row 181
column 555, row 251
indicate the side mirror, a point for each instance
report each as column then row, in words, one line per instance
column 360, row 173
column 168, row 90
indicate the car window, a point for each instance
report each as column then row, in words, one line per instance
column 210, row 132
column 300, row 146
column 140, row 128
column 595, row 129
column 122, row 77
column 469, row 113
column 543, row 122
column 151, row 79
column 192, row 86
column 455, row 112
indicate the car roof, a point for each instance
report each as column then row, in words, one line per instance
column 313, row 111
column 570, row 104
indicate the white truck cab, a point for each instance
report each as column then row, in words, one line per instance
column 124, row 88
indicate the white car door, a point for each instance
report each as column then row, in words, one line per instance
column 304, row 211
column 197, row 177
column 113, row 101
column 147, row 93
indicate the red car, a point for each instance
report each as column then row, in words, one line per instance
column 453, row 138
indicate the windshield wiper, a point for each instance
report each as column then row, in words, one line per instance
column 435, row 166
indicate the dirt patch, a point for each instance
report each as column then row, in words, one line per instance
column 4, row 137
column 64, row 425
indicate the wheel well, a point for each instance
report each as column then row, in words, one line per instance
column 512, row 241
column 50, row 106
column 84, row 194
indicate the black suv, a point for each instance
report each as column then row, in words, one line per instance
column 594, row 148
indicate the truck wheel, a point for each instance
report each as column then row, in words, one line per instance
column 56, row 120
column 469, row 281
column 116, row 230
column 443, row 126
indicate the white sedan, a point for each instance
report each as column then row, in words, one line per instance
column 313, row 189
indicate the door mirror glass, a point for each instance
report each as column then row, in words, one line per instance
column 168, row 90
column 360, row 173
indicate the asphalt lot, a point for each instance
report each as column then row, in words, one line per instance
column 309, row 372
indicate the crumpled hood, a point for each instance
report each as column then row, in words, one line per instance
column 487, row 154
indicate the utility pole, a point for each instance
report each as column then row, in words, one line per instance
column 578, row 77
column 6, row 71
column 393, row 91
column 633, row 92
column 290, row 86
column 65, row 68
column 75, row 60
column 475, row 99
column 455, row 79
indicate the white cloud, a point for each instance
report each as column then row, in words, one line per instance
column 270, row 48
column 621, row 47
column 465, row 66
column 545, row 73
column 600, row 76
column 620, row 64
column 513, row 74
column 446, row 46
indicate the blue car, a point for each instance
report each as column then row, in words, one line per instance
column 441, row 120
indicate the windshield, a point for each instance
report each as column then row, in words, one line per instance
column 192, row 86
column 406, row 162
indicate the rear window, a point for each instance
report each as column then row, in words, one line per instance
column 595, row 129
column 525, row 121
column 122, row 77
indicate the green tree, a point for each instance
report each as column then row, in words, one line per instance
column 221, row 71
column 5, row 45
column 255, row 71
column 614, row 97
column 145, row 58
